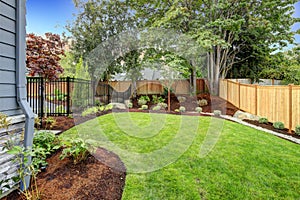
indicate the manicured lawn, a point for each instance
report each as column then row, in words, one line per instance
column 244, row 163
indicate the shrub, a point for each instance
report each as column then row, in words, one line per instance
column 157, row 100
column 182, row 109
column 198, row 109
column 130, row 105
column 90, row 111
column 263, row 120
column 156, row 108
column 144, row 107
column 176, row 110
column 76, row 149
column 181, row 99
column 202, row 102
column 278, row 125
column 143, row 100
column 97, row 102
column 297, row 130
column 50, row 122
column 217, row 112
column 163, row 105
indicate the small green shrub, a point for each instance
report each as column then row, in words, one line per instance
column 297, row 130
column 163, row 105
column 89, row 111
column 97, row 102
column 217, row 112
column 109, row 107
column 198, row 109
column 181, row 99
column 144, row 107
column 202, row 102
column 143, row 100
column 75, row 149
column 130, row 105
column 278, row 125
column 156, row 99
column 176, row 110
column 156, row 108
column 263, row 120
column 181, row 109
column 50, row 122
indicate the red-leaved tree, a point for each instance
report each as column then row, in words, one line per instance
column 43, row 55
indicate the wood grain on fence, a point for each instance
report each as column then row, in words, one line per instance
column 277, row 103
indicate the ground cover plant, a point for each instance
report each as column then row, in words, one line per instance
column 244, row 164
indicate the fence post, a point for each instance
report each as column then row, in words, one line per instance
column 255, row 99
column 42, row 98
column 290, row 107
column 239, row 87
column 68, row 95
column 227, row 89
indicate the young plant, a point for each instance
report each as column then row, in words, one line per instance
column 297, row 130
column 156, row 99
column 217, row 112
column 202, row 102
column 129, row 105
column 263, row 120
column 198, row 109
column 75, row 149
column 144, row 107
column 156, row 108
column 50, row 122
column 143, row 100
column 163, row 105
column 182, row 109
column 181, row 99
column 89, row 111
column 278, row 125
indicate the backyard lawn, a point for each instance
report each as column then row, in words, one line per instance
column 163, row 160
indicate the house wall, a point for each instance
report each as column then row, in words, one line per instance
column 8, row 92
column 8, row 99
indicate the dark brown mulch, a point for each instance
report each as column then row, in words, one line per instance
column 89, row 179
column 269, row 126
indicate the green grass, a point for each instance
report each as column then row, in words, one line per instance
column 244, row 163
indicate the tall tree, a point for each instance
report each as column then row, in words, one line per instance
column 43, row 55
column 223, row 28
column 97, row 21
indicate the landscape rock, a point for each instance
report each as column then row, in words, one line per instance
column 244, row 115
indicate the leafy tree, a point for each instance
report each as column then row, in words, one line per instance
column 43, row 55
column 224, row 28
column 97, row 21
column 68, row 64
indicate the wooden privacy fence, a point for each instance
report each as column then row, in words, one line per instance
column 277, row 103
column 145, row 87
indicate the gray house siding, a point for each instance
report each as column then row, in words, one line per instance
column 8, row 99
column 8, row 91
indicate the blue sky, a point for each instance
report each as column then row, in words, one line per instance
column 52, row 15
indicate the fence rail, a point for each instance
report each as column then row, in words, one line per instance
column 56, row 97
column 277, row 103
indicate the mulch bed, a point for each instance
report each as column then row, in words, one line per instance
column 269, row 126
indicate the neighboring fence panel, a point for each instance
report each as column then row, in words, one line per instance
column 148, row 87
column 277, row 103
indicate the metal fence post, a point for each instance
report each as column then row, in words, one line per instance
column 68, row 95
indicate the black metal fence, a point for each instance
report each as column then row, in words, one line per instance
column 58, row 97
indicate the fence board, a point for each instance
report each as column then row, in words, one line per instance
column 274, row 102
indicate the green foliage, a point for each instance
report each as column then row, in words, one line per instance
column 74, row 148
column 181, row 99
column 89, row 111
column 130, row 105
column 163, row 105
column 217, row 112
column 202, row 102
column 156, row 99
column 4, row 122
column 278, row 125
column 143, row 100
column 44, row 144
column 297, row 130
column 198, row 109
column 156, row 108
column 263, row 120
column 182, row 109
column 144, row 107
column 50, row 122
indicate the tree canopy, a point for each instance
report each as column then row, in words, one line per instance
column 43, row 55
